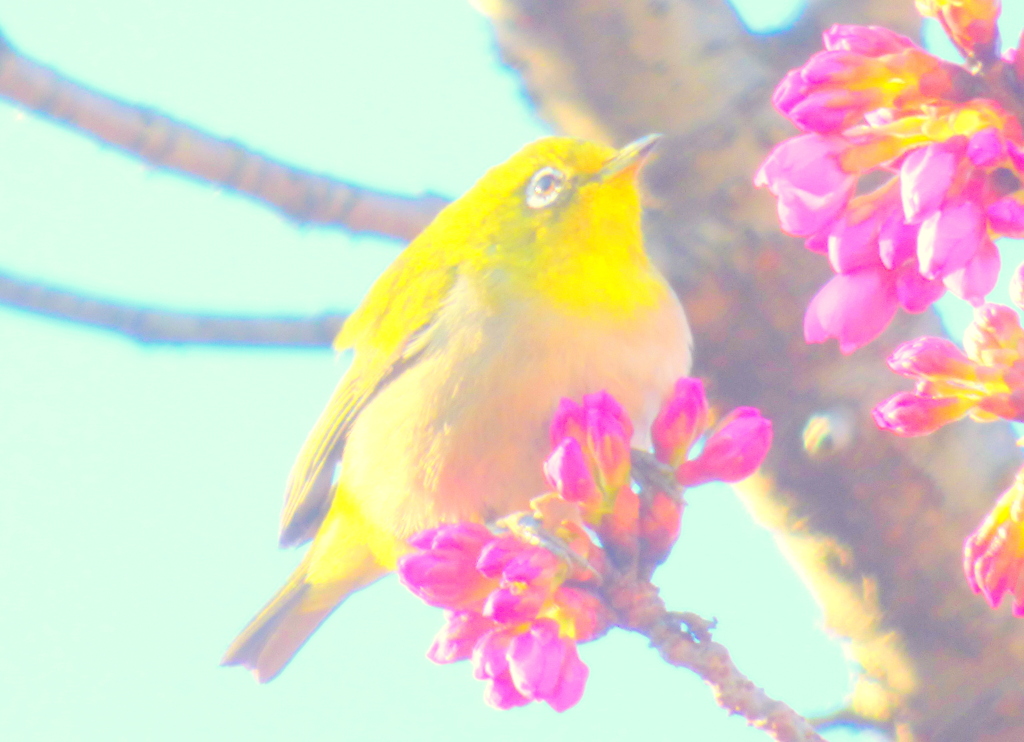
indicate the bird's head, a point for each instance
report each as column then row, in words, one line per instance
column 556, row 202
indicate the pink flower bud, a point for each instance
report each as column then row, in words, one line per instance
column 681, row 421
column 994, row 553
column 812, row 188
column 1006, row 217
column 490, row 662
column 490, row 654
column 854, row 244
column 515, row 604
column 566, row 470
column 897, row 241
column 604, row 432
column 852, row 307
column 871, row 41
column 931, row 358
column 995, row 328
column 926, row 175
column 733, row 451
column 546, row 667
column 445, row 575
column 977, row 278
column 914, row 292
column 986, row 147
column 608, row 441
column 949, row 238
column 457, row 638
column 497, row 555
column 909, row 414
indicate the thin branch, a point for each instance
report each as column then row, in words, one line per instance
column 168, row 327
column 642, row 610
column 301, row 196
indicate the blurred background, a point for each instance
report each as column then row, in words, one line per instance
column 140, row 487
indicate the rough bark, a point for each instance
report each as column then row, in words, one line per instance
column 874, row 523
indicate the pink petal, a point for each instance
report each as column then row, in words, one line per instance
column 804, row 174
column 909, row 414
column 566, row 470
column 496, row 555
column 985, row 148
column 949, row 238
column 852, row 307
column 571, row 683
column 536, row 659
column 926, row 175
column 680, row 422
column 457, row 638
column 569, row 421
column 1006, row 217
column 871, row 41
column 513, row 605
column 733, row 451
column 501, row 693
column 973, row 282
column 897, row 240
column 930, row 357
column 490, row 655
column 854, row 245
column 817, row 243
column 832, row 110
column 914, row 292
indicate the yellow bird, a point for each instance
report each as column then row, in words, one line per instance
column 531, row 287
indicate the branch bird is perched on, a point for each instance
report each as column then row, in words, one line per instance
column 531, row 287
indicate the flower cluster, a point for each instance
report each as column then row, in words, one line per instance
column 520, row 597
column 985, row 380
column 994, row 554
column 950, row 155
column 507, row 610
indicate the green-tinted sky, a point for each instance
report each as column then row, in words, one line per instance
column 140, row 487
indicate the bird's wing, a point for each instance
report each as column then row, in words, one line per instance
column 388, row 332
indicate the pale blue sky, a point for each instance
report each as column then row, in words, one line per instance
column 140, row 487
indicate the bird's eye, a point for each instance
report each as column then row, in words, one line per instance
column 544, row 187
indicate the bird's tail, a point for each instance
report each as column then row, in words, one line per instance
column 277, row 632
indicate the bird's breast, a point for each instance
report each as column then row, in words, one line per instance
column 463, row 433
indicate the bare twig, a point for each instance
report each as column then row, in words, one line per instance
column 168, row 327
column 303, row 197
column 640, row 609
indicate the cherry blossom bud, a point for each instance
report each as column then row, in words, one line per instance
column 812, row 188
column 909, row 414
column 733, row 451
column 994, row 553
column 460, row 633
column 871, row 41
column 444, row 574
column 853, row 307
column 546, row 667
column 681, row 421
column 567, row 471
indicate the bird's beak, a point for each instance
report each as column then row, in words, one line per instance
column 630, row 157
